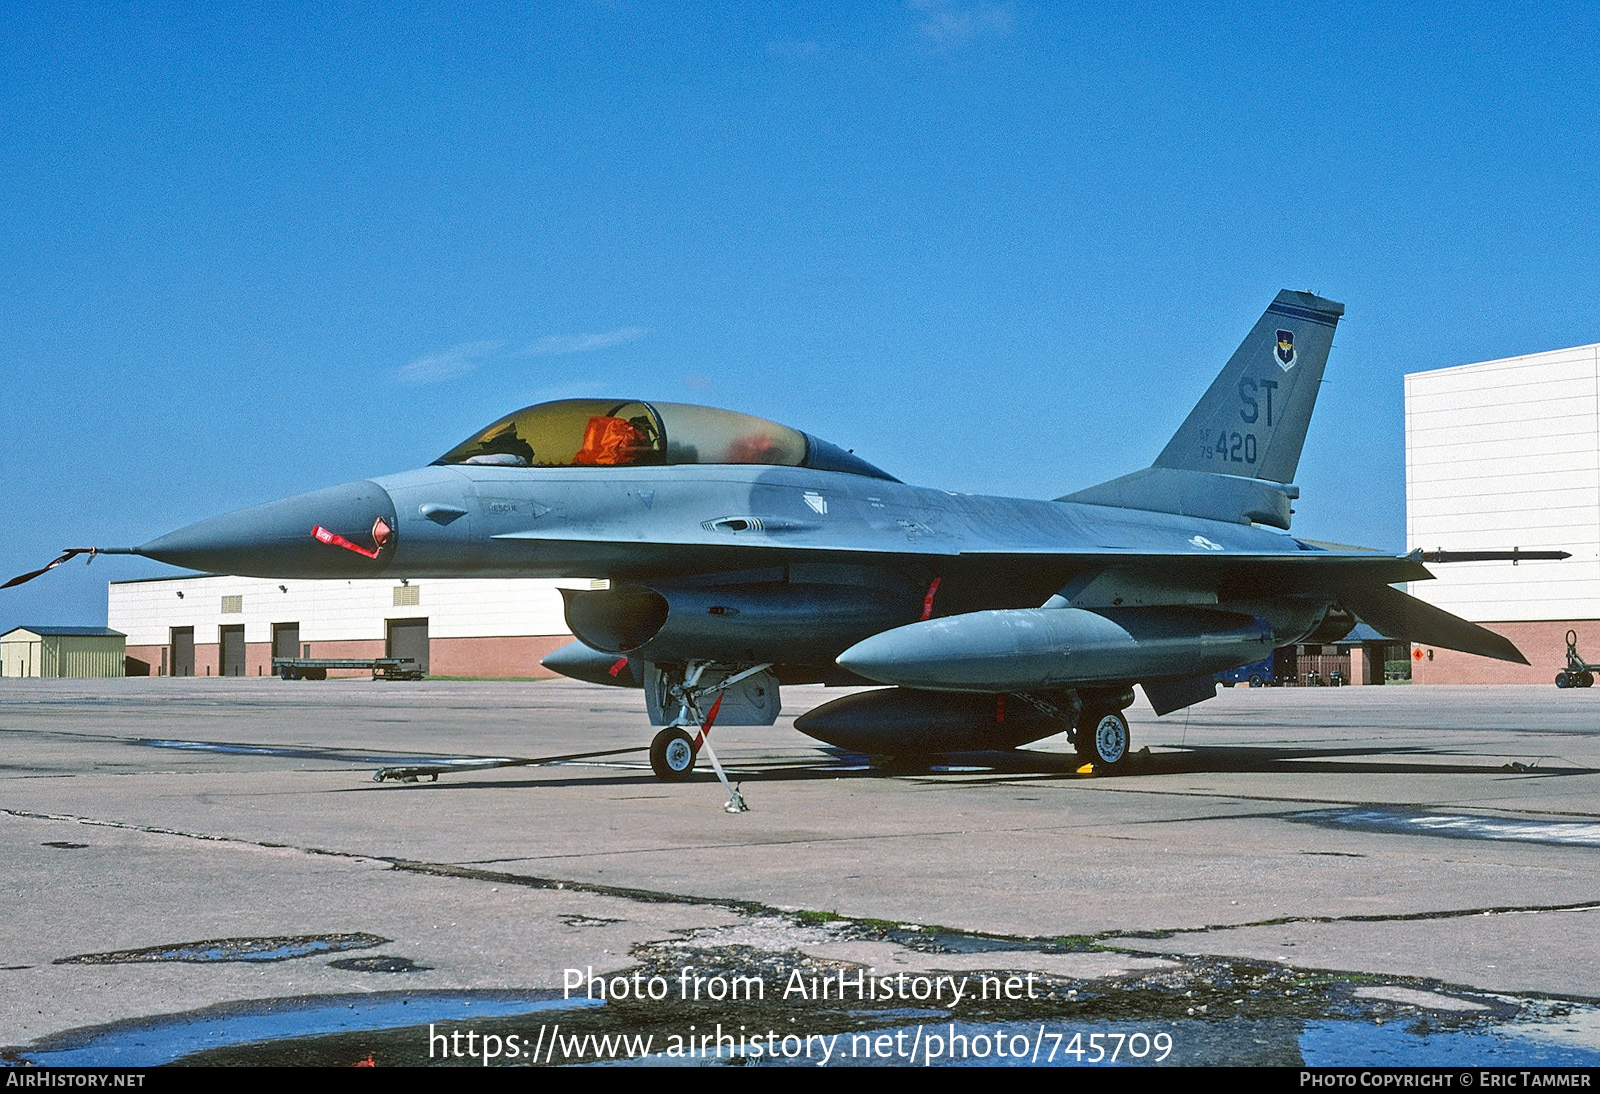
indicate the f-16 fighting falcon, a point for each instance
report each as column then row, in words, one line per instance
column 742, row 555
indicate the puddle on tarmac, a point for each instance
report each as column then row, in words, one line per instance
column 933, row 1039
column 1179, row 1011
column 1361, row 1044
column 1213, row 1013
column 378, row 963
column 276, row 1025
column 1230, row 1042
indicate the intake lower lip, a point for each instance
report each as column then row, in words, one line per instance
column 275, row 539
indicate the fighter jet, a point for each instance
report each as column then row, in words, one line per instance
column 741, row 555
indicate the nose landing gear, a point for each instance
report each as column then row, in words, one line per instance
column 674, row 751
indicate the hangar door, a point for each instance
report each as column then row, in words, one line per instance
column 286, row 640
column 182, row 643
column 232, row 639
column 408, row 638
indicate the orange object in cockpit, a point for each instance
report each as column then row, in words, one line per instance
column 608, row 442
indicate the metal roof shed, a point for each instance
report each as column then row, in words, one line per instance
column 62, row 651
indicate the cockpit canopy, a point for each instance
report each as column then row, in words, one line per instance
column 612, row 433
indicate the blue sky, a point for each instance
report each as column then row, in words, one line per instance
column 249, row 250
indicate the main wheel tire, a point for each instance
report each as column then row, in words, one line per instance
column 1563, row 680
column 1103, row 738
column 672, row 755
column 1586, row 679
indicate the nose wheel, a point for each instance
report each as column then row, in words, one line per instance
column 672, row 755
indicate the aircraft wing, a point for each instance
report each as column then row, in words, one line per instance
column 1233, row 575
column 1362, row 583
column 1359, row 580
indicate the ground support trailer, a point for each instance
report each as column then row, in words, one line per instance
column 316, row 668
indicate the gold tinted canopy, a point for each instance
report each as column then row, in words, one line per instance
column 619, row 433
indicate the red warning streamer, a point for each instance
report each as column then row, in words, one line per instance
column 381, row 534
column 336, row 540
column 705, row 730
column 927, row 601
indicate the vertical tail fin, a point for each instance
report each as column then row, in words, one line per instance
column 1252, row 420
column 1235, row 455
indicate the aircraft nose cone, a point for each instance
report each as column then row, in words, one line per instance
column 326, row 533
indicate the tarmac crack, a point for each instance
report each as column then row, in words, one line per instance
column 751, row 907
column 1390, row 917
column 416, row 866
column 156, row 830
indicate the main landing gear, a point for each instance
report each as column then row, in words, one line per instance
column 1099, row 729
column 1101, row 736
column 674, row 751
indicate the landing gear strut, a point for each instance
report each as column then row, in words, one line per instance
column 1099, row 730
column 1100, row 735
column 673, row 752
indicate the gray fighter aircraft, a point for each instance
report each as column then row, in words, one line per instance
column 743, row 555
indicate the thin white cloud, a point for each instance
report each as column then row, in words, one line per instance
column 557, row 345
column 956, row 22
column 450, row 364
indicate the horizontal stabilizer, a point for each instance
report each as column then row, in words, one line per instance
column 1400, row 615
column 1191, row 493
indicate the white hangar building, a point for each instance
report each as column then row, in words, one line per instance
column 204, row 625
column 1504, row 454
